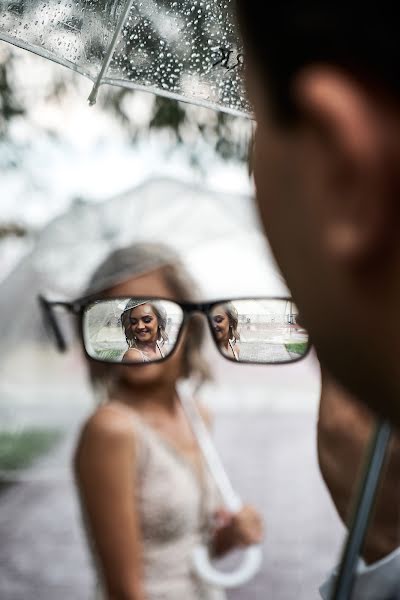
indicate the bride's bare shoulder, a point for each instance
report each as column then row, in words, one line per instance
column 132, row 355
column 109, row 424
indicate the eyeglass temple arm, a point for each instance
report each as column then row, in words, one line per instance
column 50, row 319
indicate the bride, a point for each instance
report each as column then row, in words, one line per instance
column 146, row 495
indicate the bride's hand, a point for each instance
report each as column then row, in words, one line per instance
column 244, row 528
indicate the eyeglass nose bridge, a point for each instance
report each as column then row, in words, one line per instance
column 202, row 309
column 192, row 308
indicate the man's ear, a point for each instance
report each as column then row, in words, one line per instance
column 351, row 131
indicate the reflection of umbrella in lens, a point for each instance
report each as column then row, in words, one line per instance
column 184, row 50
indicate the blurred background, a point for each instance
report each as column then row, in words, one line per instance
column 65, row 165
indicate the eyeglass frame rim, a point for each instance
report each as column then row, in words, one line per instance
column 78, row 307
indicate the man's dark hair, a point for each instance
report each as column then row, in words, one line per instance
column 284, row 36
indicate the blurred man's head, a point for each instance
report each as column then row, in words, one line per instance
column 324, row 81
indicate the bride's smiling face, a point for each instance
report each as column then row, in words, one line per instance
column 143, row 324
column 220, row 321
column 151, row 284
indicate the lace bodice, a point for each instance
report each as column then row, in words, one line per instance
column 175, row 506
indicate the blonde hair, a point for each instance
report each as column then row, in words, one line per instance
column 139, row 259
column 233, row 318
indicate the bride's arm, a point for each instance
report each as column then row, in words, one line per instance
column 105, row 472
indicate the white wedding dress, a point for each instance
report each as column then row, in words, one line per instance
column 175, row 508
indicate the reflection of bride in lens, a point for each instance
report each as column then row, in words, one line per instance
column 144, row 324
column 225, row 325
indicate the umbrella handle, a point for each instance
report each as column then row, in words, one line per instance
column 251, row 561
column 252, row 556
column 250, row 565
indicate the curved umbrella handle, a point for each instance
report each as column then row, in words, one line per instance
column 251, row 563
column 252, row 556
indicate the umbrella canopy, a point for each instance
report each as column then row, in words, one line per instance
column 187, row 50
column 203, row 226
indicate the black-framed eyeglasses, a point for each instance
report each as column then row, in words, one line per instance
column 129, row 330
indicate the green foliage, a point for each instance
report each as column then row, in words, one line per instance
column 186, row 124
column 12, row 230
column 19, row 450
column 299, row 348
column 112, row 354
column 10, row 106
column 168, row 113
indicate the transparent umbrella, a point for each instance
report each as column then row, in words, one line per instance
column 187, row 50
column 204, row 227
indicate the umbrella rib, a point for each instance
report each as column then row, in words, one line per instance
column 109, row 54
